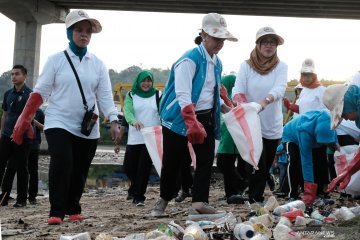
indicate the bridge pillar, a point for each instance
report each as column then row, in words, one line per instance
column 29, row 16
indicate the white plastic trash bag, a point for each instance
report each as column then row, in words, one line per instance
column 154, row 144
column 153, row 141
column 244, row 126
column 342, row 158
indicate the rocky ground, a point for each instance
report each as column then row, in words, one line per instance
column 106, row 210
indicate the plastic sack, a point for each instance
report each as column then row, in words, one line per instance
column 154, row 144
column 244, row 126
column 342, row 158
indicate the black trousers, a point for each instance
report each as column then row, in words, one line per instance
column 234, row 182
column 137, row 166
column 174, row 156
column 33, row 161
column 257, row 178
column 185, row 178
column 14, row 157
column 295, row 178
column 70, row 159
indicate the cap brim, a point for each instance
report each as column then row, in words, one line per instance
column 278, row 37
column 220, row 33
column 95, row 24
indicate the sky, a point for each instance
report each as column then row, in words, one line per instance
column 157, row 40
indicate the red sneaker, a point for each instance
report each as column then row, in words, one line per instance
column 76, row 217
column 54, row 221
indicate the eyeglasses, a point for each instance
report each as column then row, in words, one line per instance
column 271, row 43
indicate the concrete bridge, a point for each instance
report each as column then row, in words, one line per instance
column 30, row 15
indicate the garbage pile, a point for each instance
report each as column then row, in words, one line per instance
column 270, row 221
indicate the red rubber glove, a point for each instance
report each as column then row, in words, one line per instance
column 239, row 98
column 345, row 177
column 291, row 106
column 224, row 95
column 195, row 130
column 23, row 123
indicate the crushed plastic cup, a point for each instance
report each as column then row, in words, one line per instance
column 271, row 204
column 262, row 229
column 285, row 221
column 293, row 214
column 346, row 214
column 229, row 218
column 243, row 231
column 316, row 215
column 177, row 230
column 104, row 236
column 261, row 211
column 265, row 219
column 194, row 232
column 283, row 232
column 80, row 236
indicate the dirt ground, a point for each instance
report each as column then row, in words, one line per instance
column 106, row 210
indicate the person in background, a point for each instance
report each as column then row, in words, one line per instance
column 190, row 112
column 310, row 99
column 33, row 160
column 140, row 110
column 71, row 151
column 227, row 155
column 14, row 157
column 282, row 163
column 301, row 135
column 263, row 79
column 344, row 102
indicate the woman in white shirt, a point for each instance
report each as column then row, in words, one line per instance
column 263, row 79
column 71, row 151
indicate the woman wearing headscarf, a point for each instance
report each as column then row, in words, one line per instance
column 71, row 149
column 344, row 102
column 263, row 79
column 140, row 110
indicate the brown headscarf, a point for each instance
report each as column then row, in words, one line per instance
column 262, row 65
column 314, row 83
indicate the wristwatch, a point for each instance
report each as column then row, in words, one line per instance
column 267, row 100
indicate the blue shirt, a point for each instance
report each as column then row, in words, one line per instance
column 282, row 158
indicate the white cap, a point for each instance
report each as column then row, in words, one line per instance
column 308, row 66
column 80, row 15
column 215, row 25
column 333, row 99
column 264, row 31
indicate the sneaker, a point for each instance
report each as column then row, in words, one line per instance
column 280, row 194
column 76, row 217
column 20, row 204
column 203, row 208
column 32, row 201
column 54, row 221
column 236, row 199
column 140, row 204
column 321, row 202
column 159, row 208
column 182, row 195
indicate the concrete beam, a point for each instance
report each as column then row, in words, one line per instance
column 29, row 16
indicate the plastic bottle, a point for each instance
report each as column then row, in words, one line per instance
column 346, row 214
column 243, row 231
column 194, row 232
column 260, row 237
column 262, row 229
column 283, row 232
column 298, row 204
